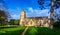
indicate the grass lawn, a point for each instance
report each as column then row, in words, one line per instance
column 11, row 30
column 42, row 31
column 17, row 30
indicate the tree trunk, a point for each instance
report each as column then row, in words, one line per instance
column 51, row 14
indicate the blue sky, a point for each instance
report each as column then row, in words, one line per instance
column 30, row 6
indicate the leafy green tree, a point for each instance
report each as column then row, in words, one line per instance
column 14, row 22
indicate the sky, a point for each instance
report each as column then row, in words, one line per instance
column 31, row 8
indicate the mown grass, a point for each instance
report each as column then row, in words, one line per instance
column 15, row 30
column 42, row 31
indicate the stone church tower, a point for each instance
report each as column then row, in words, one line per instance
column 22, row 18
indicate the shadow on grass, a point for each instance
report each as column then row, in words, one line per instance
column 42, row 31
column 31, row 31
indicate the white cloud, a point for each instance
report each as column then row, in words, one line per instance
column 15, row 16
column 15, row 13
column 37, row 12
column 30, row 9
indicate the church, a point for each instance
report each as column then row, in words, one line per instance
column 33, row 21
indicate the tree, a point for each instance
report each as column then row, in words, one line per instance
column 14, row 22
column 58, row 1
column 3, row 17
column 52, row 4
column 4, row 14
column 51, row 14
